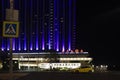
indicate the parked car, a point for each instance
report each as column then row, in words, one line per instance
column 84, row 69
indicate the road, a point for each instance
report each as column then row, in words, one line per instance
column 69, row 76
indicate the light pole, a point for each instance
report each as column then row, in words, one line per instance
column 11, row 62
column 11, row 29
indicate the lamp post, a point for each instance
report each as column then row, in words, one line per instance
column 11, row 29
column 11, row 62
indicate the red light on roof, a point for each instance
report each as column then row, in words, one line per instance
column 81, row 50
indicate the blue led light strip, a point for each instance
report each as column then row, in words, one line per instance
column 51, row 26
column 2, row 18
column 19, row 45
column 63, row 28
column 43, row 43
column 7, row 44
column 31, row 43
column 19, row 48
column 56, row 24
column 13, row 44
column 37, row 29
column 49, row 42
column 25, row 26
column 69, row 38
column 57, row 37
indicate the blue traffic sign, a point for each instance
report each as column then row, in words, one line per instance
column 10, row 29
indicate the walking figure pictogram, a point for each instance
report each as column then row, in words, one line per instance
column 10, row 29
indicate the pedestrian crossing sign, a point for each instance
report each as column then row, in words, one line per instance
column 10, row 29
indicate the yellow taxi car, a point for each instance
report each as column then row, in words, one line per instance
column 84, row 69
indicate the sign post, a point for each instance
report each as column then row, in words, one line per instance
column 10, row 29
column 11, row 61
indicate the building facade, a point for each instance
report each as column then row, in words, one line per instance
column 44, row 60
column 44, row 25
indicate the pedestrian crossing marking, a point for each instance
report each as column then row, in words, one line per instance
column 10, row 29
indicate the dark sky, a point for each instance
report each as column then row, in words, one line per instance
column 97, row 29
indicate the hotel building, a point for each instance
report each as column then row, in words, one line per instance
column 44, row 25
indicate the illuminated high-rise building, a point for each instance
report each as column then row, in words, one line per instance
column 44, row 25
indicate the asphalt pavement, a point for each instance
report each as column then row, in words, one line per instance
column 64, row 76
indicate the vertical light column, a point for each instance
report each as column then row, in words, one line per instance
column 57, row 27
column 31, row 43
column 19, row 46
column 2, row 9
column 63, row 28
column 13, row 44
column 43, row 38
column 13, row 48
column 56, row 24
column 7, row 44
column 3, row 47
column 48, row 26
column 15, row 40
column 25, row 46
column 51, row 25
column 69, row 37
column 19, row 41
column 22, row 34
column 37, row 47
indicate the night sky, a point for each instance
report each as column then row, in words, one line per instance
column 97, row 30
